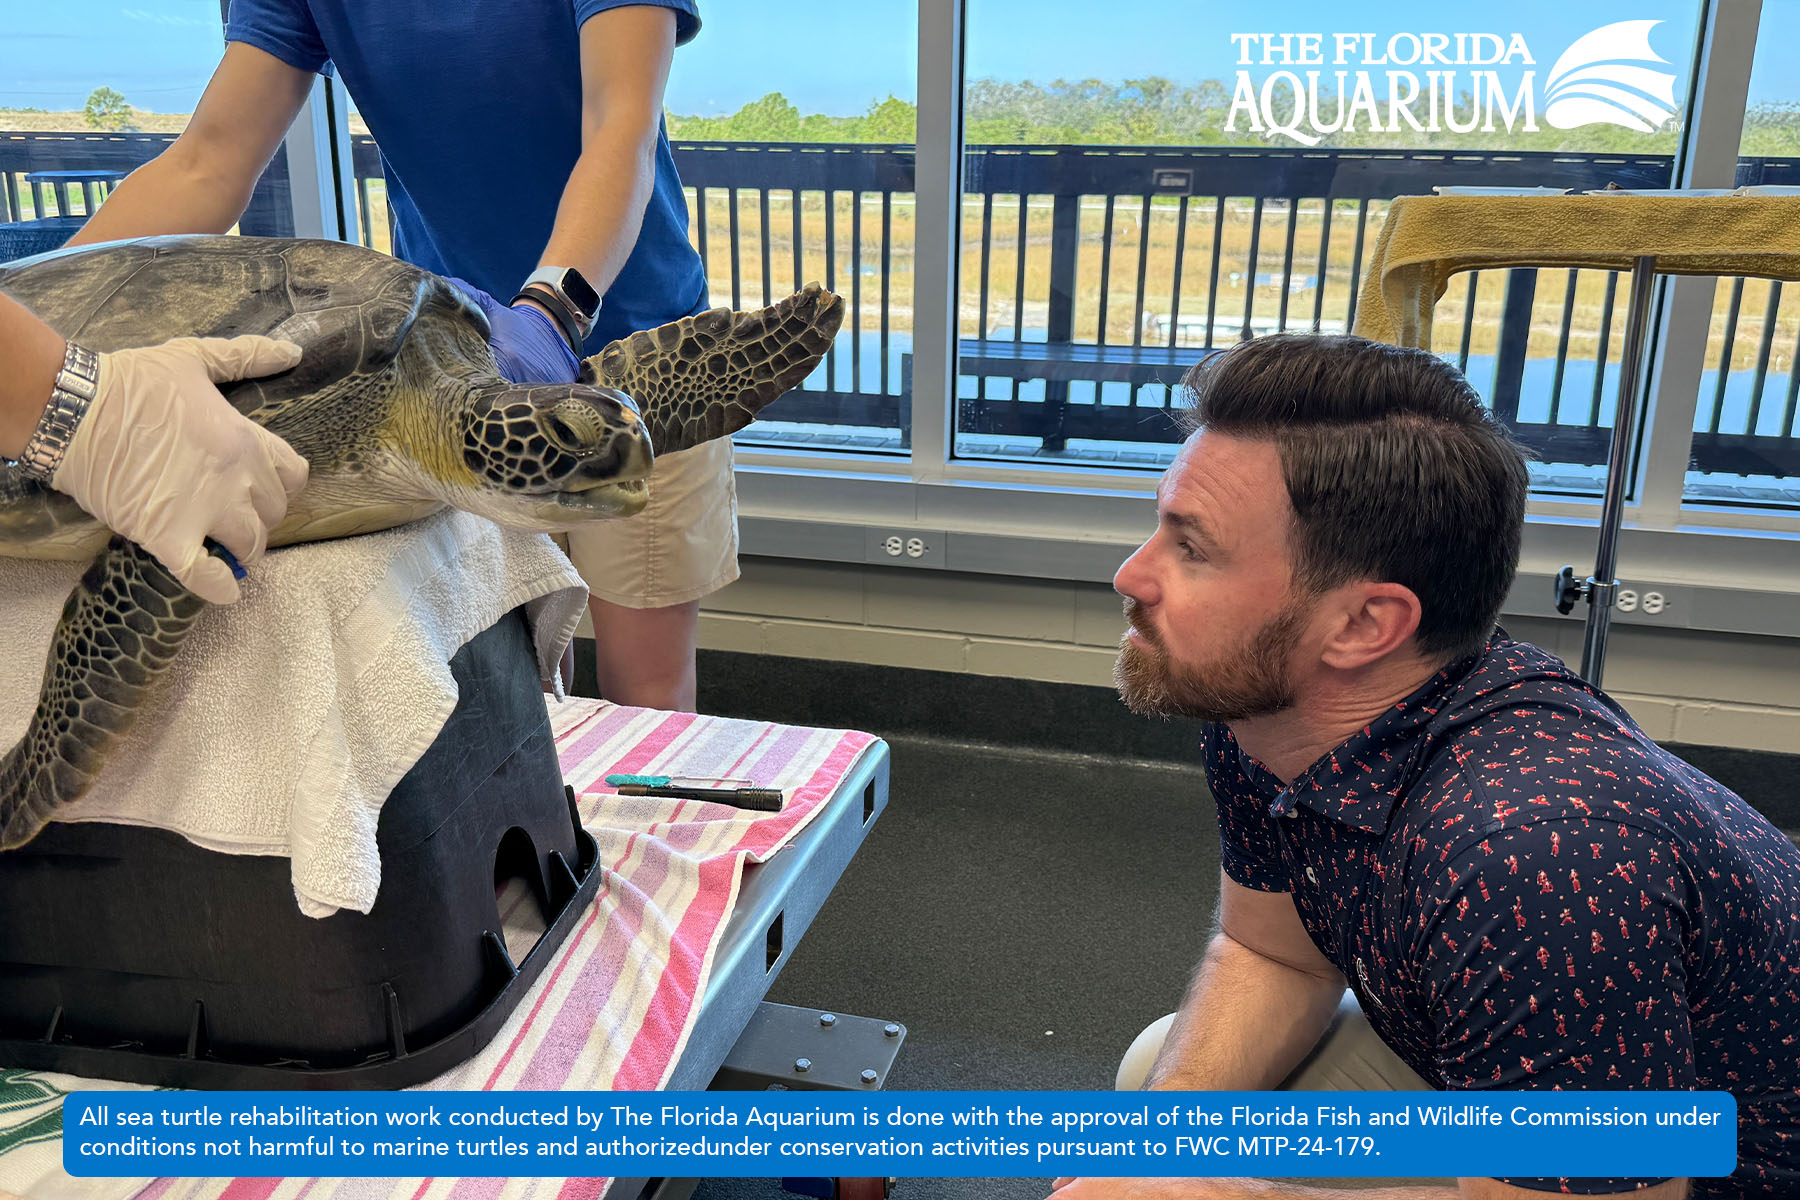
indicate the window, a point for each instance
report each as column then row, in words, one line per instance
column 1745, row 447
column 372, row 224
column 72, row 125
column 795, row 140
column 1143, row 191
column 75, row 124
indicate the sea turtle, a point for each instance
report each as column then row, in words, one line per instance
column 398, row 408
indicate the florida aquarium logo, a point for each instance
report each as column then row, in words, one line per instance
column 1329, row 83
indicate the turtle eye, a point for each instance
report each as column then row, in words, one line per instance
column 576, row 427
column 560, row 431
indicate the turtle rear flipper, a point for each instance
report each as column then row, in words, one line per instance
column 120, row 627
column 708, row 375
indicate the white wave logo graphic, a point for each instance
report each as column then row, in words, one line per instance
column 1601, row 79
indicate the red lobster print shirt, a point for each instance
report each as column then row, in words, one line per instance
column 1525, row 891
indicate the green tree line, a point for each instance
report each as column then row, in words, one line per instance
column 1136, row 112
column 1161, row 112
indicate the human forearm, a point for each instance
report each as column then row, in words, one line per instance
column 625, row 55
column 602, row 208
column 33, row 354
column 1246, row 1022
column 173, row 193
column 597, row 223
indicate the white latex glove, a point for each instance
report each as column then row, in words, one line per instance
column 162, row 458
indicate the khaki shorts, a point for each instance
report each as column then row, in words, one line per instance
column 682, row 546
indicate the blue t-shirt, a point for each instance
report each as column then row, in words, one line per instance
column 477, row 108
column 1525, row 891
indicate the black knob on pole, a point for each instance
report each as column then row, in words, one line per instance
column 1568, row 589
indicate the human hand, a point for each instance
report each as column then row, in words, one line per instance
column 162, row 458
column 528, row 347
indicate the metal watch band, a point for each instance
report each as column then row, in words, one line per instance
column 75, row 387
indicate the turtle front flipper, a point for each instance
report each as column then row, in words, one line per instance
column 708, row 375
column 120, row 627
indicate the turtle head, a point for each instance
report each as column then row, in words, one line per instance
column 548, row 456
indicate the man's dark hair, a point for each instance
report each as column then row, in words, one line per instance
column 1395, row 470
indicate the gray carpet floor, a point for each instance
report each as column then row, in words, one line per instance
column 1024, row 913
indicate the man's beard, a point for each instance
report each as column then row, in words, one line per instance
column 1252, row 681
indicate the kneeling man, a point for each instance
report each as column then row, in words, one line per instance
column 1520, row 888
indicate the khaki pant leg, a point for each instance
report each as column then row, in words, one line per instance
column 1134, row 1068
column 681, row 547
column 1351, row 1057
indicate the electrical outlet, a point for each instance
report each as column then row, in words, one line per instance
column 1656, row 603
column 906, row 547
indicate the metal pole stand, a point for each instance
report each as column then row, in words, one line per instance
column 1600, row 588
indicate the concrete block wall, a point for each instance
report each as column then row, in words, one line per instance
column 1704, row 688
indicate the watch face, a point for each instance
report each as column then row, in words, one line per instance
column 581, row 292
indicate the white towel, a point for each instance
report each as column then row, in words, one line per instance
column 289, row 716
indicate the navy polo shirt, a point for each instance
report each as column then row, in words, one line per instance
column 477, row 108
column 1525, row 891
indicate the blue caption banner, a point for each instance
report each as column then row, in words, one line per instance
column 991, row 1134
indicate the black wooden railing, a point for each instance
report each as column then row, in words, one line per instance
column 1094, row 277
column 270, row 213
column 1079, row 375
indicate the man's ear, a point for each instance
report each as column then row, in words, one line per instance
column 1368, row 622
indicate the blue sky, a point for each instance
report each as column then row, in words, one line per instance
column 840, row 58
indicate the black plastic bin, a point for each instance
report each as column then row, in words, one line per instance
column 22, row 239
column 131, row 953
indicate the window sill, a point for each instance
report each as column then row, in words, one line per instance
column 1723, row 577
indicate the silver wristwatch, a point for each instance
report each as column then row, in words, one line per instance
column 69, row 399
column 572, row 288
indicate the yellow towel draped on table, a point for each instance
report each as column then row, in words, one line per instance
column 1426, row 239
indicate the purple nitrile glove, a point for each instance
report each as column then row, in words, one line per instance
column 527, row 345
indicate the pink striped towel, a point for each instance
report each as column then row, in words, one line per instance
column 615, row 1007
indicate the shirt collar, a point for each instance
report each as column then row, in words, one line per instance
column 1358, row 783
